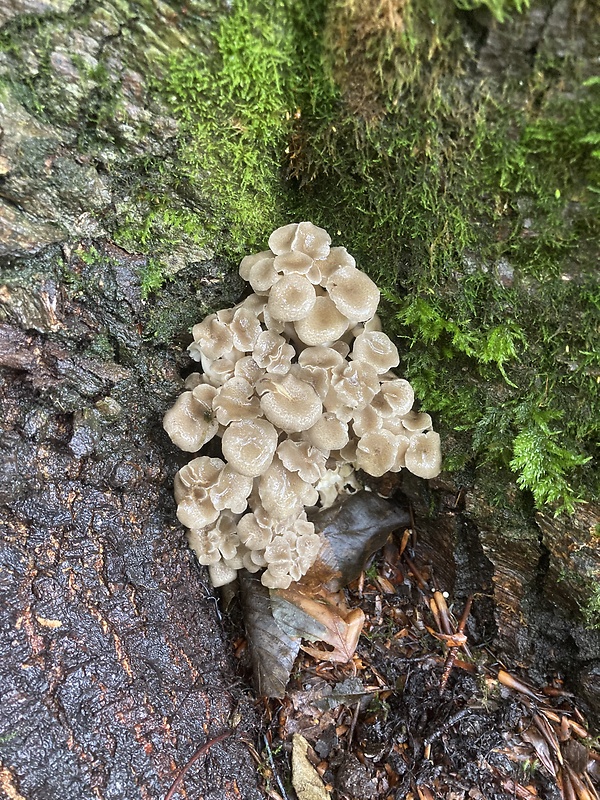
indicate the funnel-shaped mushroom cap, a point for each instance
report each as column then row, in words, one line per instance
column 376, row 452
column 316, row 366
column 354, row 293
column 377, row 349
column 414, row 421
column 338, row 257
column 366, row 420
column 221, row 574
column 303, row 458
column 321, row 357
column 202, row 471
column 249, row 446
column 311, row 240
column 284, row 493
column 248, row 262
column 354, row 387
column 290, row 403
column 423, row 456
column 245, row 328
column 196, row 509
column 262, row 275
column 293, row 262
column 394, row 399
column 292, row 297
column 231, row 490
column 275, row 582
column 328, row 433
column 205, row 545
column 248, row 369
column 254, row 535
column 280, row 241
column 220, row 370
column 190, row 422
column 273, row 353
column 323, row 324
column 212, row 338
column 403, row 442
column 235, row 400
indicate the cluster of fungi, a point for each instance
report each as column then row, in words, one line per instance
column 296, row 382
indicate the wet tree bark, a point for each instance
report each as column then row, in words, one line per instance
column 113, row 664
column 114, row 668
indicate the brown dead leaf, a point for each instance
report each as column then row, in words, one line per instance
column 548, row 733
column 452, row 639
column 319, row 617
column 508, row 680
column 541, row 747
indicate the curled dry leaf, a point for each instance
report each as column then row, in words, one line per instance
column 354, row 529
column 272, row 651
column 451, row 639
column 541, row 747
column 321, row 618
column 508, row 680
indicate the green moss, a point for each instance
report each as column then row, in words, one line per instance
column 501, row 9
column 235, row 113
column 473, row 201
column 152, row 277
column 479, row 220
column 476, row 212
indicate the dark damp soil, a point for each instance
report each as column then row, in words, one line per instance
column 390, row 725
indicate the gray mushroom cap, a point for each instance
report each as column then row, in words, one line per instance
column 190, row 423
column 292, row 297
column 423, row 456
column 323, row 324
column 377, row 349
column 290, row 403
column 249, row 446
column 354, row 293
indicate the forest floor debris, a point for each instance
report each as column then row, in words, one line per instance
column 421, row 711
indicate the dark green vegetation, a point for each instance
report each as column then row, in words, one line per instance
column 451, row 145
column 469, row 194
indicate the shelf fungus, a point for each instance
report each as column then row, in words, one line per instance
column 296, row 382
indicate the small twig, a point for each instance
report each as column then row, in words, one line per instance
column 272, row 763
column 413, row 528
column 353, row 724
column 198, row 754
column 416, row 574
column 453, row 651
column 464, row 712
column 442, row 609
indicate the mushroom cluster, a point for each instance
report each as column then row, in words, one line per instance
column 296, row 381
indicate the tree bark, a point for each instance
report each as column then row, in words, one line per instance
column 114, row 666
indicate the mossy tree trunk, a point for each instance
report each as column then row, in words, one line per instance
column 143, row 150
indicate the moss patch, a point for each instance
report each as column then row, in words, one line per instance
column 235, row 112
column 470, row 195
column 475, row 207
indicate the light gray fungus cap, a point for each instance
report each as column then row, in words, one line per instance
column 297, row 383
